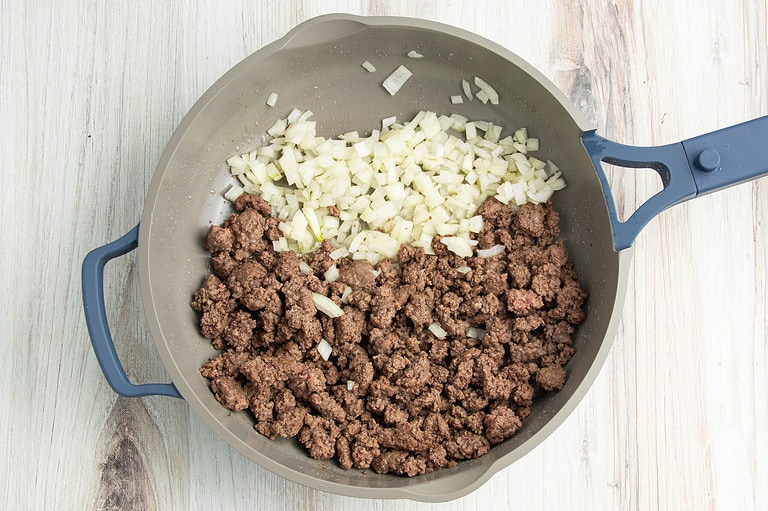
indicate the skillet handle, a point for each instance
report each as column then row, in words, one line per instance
column 98, row 327
column 694, row 167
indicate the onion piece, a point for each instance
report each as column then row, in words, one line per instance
column 415, row 55
column 294, row 116
column 467, row 89
column 475, row 333
column 350, row 385
column 233, row 193
column 437, row 331
column 489, row 91
column 490, row 252
column 331, row 274
column 314, row 223
column 368, row 66
column 272, row 99
column 339, row 253
column 397, row 79
column 277, row 129
column 388, row 121
column 305, row 268
column 324, row 349
column 475, row 224
column 460, row 246
column 345, row 294
column 326, row 306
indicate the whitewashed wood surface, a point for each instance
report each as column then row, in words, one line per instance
column 90, row 93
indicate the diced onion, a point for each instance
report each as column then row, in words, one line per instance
column 457, row 100
column 325, row 349
column 437, row 331
column 415, row 55
column 475, row 224
column 272, row 99
column 339, row 253
column 402, row 184
column 463, row 269
column 368, row 66
column 467, row 89
column 490, row 252
column 488, row 91
column 350, row 385
column 233, row 193
column 331, row 274
column 387, row 122
column 458, row 245
column 305, row 268
column 475, row 333
column 326, row 306
column 397, row 79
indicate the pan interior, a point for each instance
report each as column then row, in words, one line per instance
column 318, row 67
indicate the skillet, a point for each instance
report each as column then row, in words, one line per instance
column 316, row 66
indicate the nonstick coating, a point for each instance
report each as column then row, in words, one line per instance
column 317, row 67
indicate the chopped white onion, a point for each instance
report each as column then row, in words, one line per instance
column 345, row 294
column 415, row 55
column 272, row 99
column 488, row 91
column 467, row 89
column 457, row 100
column 460, row 246
column 325, row 349
column 368, row 66
column 475, row 333
column 305, row 268
column 401, row 184
column 339, row 253
column 326, row 306
column 350, row 385
column 331, row 274
column 437, row 331
column 233, row 193
column 475, row 224
column 490, row 252
column 397, row 79
column 463, row 269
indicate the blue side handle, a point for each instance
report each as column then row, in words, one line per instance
column 687, row 169
column 96, row 319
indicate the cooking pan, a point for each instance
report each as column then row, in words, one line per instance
column 317, row 66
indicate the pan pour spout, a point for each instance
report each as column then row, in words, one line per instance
column 688, row 169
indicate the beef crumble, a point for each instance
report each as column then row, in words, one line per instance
column 392, row 396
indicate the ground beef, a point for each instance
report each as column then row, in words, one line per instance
column 392, row 397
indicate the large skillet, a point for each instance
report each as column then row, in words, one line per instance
column 317, row 66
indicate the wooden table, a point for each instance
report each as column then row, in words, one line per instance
column 90, row 93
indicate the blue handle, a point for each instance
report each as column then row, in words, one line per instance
column 96, row 319
column 688, row 169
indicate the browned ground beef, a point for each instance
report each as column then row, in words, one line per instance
column 418, row 403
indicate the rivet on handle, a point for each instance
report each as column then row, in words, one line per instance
column 708, row 160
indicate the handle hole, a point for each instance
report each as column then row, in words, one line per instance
column 130, row 331
column 631, row 187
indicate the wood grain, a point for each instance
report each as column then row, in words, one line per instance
column 90, row 93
